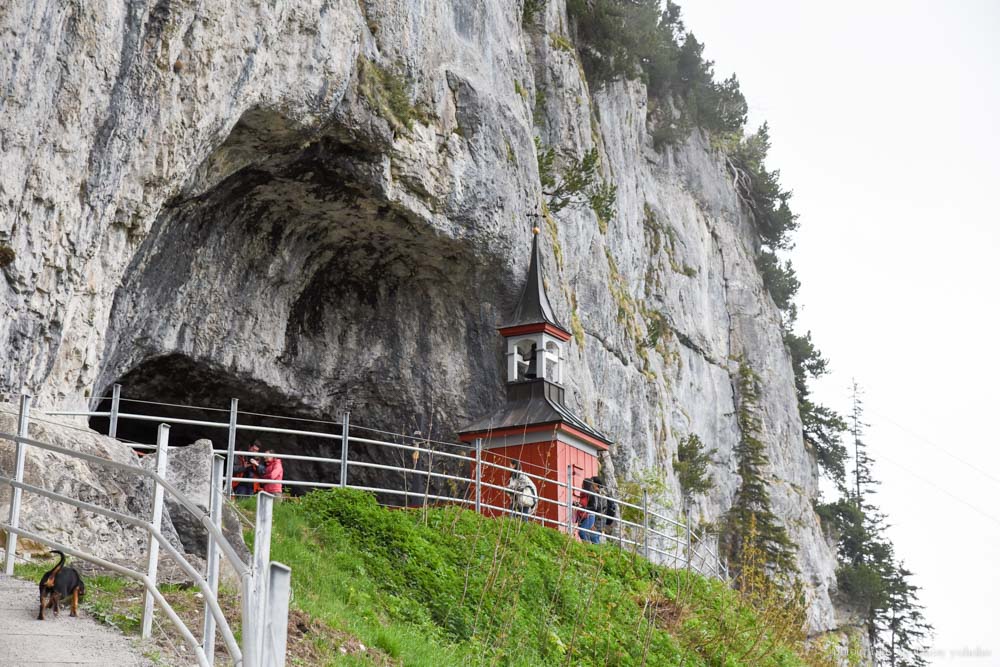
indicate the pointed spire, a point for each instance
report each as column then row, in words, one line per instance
column 533, row 307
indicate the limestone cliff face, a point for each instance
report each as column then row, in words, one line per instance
column 216, row 199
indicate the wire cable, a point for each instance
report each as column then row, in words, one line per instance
column 173, row 405
column 941, row 489
column 938, row 449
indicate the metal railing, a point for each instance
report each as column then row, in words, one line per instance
column 265, row 586
column 463, row 479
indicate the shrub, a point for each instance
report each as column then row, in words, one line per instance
column 577, row 184
column 691, row 465
column 387, row 94
column 531, row 9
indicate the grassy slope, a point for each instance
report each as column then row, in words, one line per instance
column 449, row 587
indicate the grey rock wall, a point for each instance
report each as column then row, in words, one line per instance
column 209, row 201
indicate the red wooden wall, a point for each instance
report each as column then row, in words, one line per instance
column 544, row 459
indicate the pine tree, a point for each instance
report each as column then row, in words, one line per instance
column 691, row 465
column 821, row 426
column 905, row 631
column 864, row 483
column 869, row 576
column 752, row 506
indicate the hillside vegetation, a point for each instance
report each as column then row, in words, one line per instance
column 445, row 586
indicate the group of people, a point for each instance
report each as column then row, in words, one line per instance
column 595, row 512
column 259, row 467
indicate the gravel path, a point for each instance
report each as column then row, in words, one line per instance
column 25, row 641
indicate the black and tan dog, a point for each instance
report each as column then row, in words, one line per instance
column 58, row 583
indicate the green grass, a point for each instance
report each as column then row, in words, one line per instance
column 445, row 586
column 449, row 587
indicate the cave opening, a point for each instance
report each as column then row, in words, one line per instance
column 177, row 387
column 290, row 277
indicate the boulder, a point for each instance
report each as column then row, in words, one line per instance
column 105, row 486
column 188, row 468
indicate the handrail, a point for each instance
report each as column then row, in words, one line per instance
column 651, row 532
column 241, row 568
column 124, row 571
column 218, row 538
column 140, row 417
column 220, row 618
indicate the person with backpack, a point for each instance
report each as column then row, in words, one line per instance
column 523, row 493
column 591, row 507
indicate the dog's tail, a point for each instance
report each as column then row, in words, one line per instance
column 49, row 580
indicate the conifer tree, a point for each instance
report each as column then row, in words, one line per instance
column 869, row 576
column 691, row 465
column 752, row 506
column 906, row 632
column 864, row 483
column 821, row 426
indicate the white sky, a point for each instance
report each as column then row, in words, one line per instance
column 883, row 118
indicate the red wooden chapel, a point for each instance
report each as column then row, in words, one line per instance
column 534, row 426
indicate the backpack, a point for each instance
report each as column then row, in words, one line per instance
column 612, row 513
column 605, row 506
column 524, row 493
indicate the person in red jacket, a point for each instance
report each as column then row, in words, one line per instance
column 273, row 472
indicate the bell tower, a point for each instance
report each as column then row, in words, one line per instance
column 534, row 338
column 534, row 426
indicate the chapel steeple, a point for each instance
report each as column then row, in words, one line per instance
column 534, row 426
column 535, row 338
column 533, row 308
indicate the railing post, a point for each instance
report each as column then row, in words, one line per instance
column 152, row 556
column 215, row 513
column 261, row 557
column 344, row 435
column 687, row 527
column 248, row 607
column 15, row 493
column 479, row 474
column 231, row 446
column 116, row 394
column 279, row 588
column 569, row 500
column 645, row 524
column 621, row 531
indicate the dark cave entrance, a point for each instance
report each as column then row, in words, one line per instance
column 175, row 387
column 288, row 278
